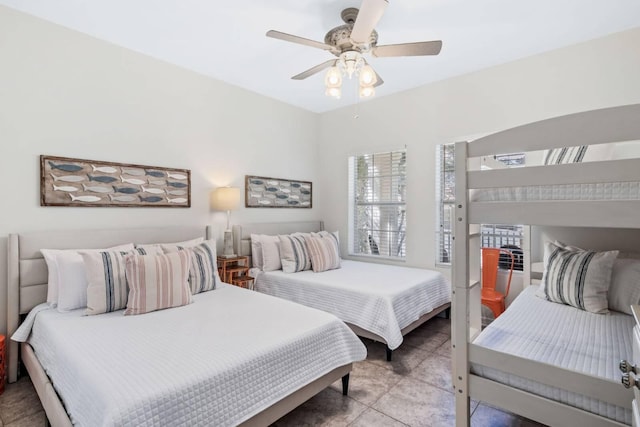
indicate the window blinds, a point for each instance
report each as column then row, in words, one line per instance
column 378, row 187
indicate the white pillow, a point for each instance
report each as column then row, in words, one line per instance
column 67, row 283
column 625, row 285
column 270, row 253
column 577, row 278
column 256, row 251
column 151, row 247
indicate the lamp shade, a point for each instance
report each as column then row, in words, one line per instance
column 225, row 198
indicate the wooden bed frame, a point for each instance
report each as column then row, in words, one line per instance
column 242, row 246
column 616, row 124
column 27, row 287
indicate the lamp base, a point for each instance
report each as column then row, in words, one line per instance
column 227, row 252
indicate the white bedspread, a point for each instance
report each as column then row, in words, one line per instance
column 381, row 299
column 217, row 361
column 563, row 336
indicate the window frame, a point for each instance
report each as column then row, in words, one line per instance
column 498, row 234
column 355, row 243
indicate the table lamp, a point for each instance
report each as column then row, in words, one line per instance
column 226, row 199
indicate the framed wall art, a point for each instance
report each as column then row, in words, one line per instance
column 263, row 192
column 76, row 182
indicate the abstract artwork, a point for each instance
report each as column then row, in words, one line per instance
column 76, row 182
column 263, row 192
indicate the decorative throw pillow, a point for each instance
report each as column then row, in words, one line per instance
column 67, row 282
column 153, row 247
column 625, row 285
column 270, row 252
column 256, row 251
column 107, row 290
column 157, row 281
column 203, row 266
column 577, row 278
column 558, row 156
column 324, row 253
column 333, row 235
column 294, row 255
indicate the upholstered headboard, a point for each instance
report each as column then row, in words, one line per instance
column 242, row 233
column 27, row 270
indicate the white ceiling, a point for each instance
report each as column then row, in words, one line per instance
column 226, row 40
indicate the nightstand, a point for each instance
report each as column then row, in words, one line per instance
column 235, row 271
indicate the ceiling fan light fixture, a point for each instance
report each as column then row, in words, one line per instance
column 333, row 78
column 334, row 92
column 367, row 91
column 368, row 76
column 350, row 62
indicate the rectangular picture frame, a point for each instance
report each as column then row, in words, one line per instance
column 66, row 181
column 266, row 192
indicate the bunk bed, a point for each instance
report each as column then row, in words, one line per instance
column 522, row 377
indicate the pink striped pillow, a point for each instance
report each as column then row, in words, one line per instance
column 324, row 253
column 157, row 282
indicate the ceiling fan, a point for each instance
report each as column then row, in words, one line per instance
column 350, row 42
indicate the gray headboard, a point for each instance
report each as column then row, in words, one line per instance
column 242, row 233
column 27, row 270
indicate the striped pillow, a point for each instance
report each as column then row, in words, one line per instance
column 157, row 282
column 203, row 268
column 324, row 252
column 577, row 278
column 559, row 156
column 107, row 289
column 294, row 255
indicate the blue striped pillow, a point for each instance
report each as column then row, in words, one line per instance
column 294, row 254
column 578, row 278
column 107, row 290
column 203, row 268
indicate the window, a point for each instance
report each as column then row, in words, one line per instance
column 495, row 235
column 377, row 204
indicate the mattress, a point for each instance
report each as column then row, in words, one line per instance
column 595, row 191
column 589, row 343
column 381, row 299
column 218, row 361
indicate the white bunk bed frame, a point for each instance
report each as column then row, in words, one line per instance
column 615, row 124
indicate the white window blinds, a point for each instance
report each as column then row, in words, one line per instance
column 377, row 199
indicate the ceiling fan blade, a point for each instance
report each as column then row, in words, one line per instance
column 368, row 16
column 314, row 70
column 300, row 40
column 379, row 82
column 408, row 49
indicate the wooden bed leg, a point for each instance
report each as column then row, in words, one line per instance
column 345, row 385
column 389, row 352
column 447, row 313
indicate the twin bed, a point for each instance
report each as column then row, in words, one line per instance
column 231, row 357
column 549, row 362
column 379, row 302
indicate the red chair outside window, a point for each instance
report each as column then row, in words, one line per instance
column 490, row 296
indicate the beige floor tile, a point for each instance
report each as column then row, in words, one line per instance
column 404, row 358
column 424, row 339
column 368, row 382
column 445, row 349
column 371, row 417
column 34, row 420
column 418, row 404
column 435, row 370
column 328, row 408
column 19, row 400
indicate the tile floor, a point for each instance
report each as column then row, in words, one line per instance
column 412, row 390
